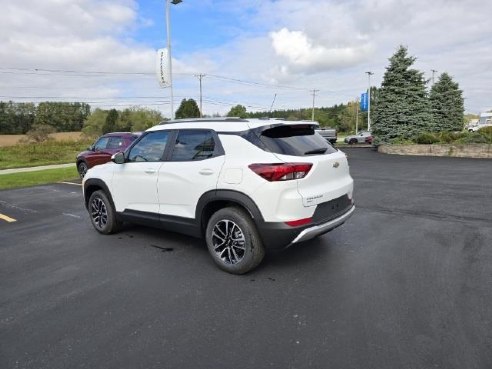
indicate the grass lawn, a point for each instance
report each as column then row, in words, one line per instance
column 32, row 155
column 27, row 179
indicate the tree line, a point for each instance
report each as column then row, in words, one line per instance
column 49, row 117
column 343, row 117
column 20, row 118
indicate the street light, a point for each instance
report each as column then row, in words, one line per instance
column 169, row 59
column 369, row 74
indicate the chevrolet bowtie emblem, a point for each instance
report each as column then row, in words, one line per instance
column 336, row 164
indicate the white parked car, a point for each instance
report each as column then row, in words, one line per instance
column 485, row 120
column 246, row 186
column 361, row 137
column 475, row 128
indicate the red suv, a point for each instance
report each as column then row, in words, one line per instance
column 102, row 150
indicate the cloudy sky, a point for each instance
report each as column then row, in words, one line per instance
column 252, row 52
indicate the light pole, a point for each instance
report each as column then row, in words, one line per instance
column 369, row 74
column 169, row 59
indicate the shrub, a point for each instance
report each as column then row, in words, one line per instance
column 401, row 141
column 487, row 133
column 39, row 133
column 449, row 137
column 427, row 138
column 473, row 138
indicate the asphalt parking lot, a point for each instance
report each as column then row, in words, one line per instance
column 405, row 283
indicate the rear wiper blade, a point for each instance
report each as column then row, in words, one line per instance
column 316, row 151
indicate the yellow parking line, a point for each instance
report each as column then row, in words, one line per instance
column 7, row 219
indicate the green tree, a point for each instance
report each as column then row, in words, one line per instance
column 188, row 109
column 238, row 111
column 447, row 104
column 62, row 116
column 94, row 123
column 138, row 119
column 16, row 118
column 110, row 122
column 402, row 108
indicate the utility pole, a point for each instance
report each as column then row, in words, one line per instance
column 433, row 72
column 314, row 95
column 369, row 74
column 200, row 76
column 273, row 102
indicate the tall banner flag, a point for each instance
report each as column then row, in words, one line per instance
column 162, row 68
column 363, row 101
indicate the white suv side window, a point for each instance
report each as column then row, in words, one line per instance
column 150, row 148
column 193, row 145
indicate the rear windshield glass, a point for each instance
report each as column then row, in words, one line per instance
column 297, row 140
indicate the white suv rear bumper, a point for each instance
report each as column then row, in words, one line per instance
column 314, row 231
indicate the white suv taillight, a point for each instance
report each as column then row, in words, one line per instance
column 281, row 171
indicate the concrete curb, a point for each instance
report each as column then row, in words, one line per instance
column 476, row 151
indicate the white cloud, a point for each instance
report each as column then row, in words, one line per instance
column 303, row 52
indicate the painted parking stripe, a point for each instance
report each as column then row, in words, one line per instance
column 7, row 219
column 72, row 183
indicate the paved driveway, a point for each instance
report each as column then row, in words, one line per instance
column 406, row 283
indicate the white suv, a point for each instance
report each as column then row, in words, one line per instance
column 245, row 185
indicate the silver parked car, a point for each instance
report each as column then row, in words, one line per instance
column 361, row 137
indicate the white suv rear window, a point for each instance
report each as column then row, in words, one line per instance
column 296, row 140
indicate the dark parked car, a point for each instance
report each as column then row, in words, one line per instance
column 102, row 150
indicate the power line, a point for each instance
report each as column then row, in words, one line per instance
column 44, row 71
column 36, row 70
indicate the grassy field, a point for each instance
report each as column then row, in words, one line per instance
column 27, row 179
column 58, row 151
column 11, row 140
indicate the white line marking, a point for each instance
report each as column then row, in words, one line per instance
column 7, row 219
column 72, row 215
column 71, row 183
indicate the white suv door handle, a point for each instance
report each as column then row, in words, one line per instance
column 206, row 172
column 150, row 171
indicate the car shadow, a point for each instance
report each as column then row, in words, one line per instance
column 298, row 254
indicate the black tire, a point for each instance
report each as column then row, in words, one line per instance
column 102, row 213
column 352, row 141
column 233, row 241
column 82, row 169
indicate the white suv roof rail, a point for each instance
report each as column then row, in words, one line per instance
column 210, row 120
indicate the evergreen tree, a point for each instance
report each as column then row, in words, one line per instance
column 402, row 108
column 110, row 122
column 447, row 104
column 188, row 109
